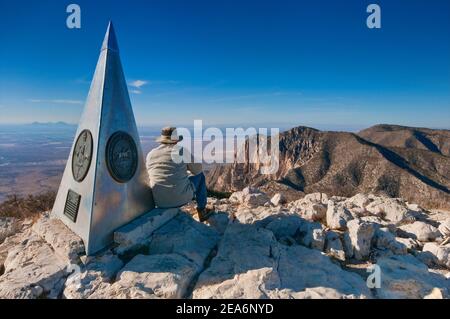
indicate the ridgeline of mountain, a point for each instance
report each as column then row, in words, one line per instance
column 412, row 163
column 437, row 141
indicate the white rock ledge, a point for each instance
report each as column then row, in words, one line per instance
column 133, row 234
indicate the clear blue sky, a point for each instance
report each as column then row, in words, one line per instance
column 234, row 62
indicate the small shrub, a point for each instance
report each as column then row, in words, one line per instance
column 29, row 206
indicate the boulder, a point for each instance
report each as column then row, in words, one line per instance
column 420, row 231
column 165, row 276
column 384, row 239
column 317, row 198
column 410, row 244
column 391, row 209
column 318, row 273
column 314, row 212
column 361, row 234
column 338, row 199
column 444, row 228
column 278, row 199
column 32, row 270
column 312, row 207
column 337, row 216
column 285, row 226
column 333, row 246
column 360, row 200
column 244, row 267
column 311, row 235
column 186, row 237
column 8, row 226
column 405, row 277
column 442, row 253
column 66, row 244
column 98, row 270
column 293, row 229
column 261, row 215
column 347, row 245
column 250, row 197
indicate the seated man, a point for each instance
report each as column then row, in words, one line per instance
column 171, row 184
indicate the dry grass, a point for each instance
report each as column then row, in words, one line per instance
column 27, row 207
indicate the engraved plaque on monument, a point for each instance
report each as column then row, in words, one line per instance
column 104, row 184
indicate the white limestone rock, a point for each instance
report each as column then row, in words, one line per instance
column 250, row 197
column 186, row 237
column 316, row 198
column 135, row 234
column 337, row 216
column 32, row 270
column 391, row 209
column 285, row 226
column 301, row 269
column 361, row 234
column 314, row 212
column 164, row 276
column 244, row 267
column 278, row 199
column 420, row 231
column 360, row 200
column 294, row 229
column 98, row 269
column 66, row 244
column 442, row 253
column 8, row 226
column 384, row 239
column 311, row 235
column 410, row 244
column 312, row 207
column 251, row 264
column 333, row 246
column 261, row 215
column 444, row 227
column 405, row 277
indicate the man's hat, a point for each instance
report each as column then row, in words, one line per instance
column 169, row 135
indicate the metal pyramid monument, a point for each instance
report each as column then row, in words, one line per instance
column 104, row 184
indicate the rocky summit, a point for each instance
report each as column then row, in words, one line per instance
column 255, row 246
column 396, row 161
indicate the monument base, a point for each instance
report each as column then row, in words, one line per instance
column 134, row 234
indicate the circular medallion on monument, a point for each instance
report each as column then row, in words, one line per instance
column 121, row 157
column 82, row 155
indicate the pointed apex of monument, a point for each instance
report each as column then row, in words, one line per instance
column 110, row 41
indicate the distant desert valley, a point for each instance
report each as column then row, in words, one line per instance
column 33, row 156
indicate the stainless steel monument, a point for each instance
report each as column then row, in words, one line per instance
column 104, row 185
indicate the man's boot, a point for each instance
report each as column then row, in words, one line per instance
column 204, row 214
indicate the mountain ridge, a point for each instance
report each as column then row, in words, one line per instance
column 345, row 163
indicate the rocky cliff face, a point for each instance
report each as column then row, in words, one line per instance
column 318, row 246
column 379, row 160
